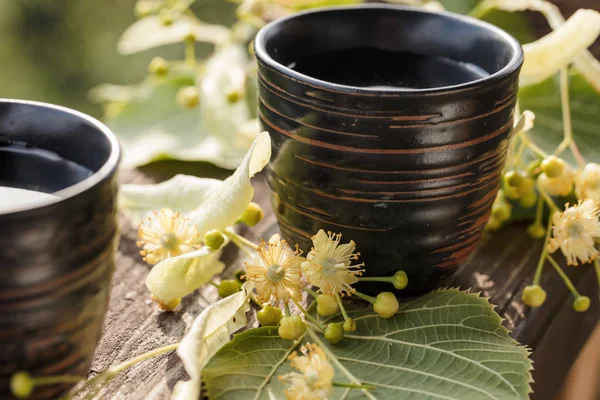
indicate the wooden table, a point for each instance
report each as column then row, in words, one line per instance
column 501, row 267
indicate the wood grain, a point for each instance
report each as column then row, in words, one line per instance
column 502, row 266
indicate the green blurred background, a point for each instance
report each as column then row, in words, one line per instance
column 56, row 50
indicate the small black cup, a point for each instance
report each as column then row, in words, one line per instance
column 56, row 260
column 410, row 174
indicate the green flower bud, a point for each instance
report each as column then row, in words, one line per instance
column 269, row 316
column 167, row 17
column 400, row 280
column 291, row 328
column 228, row 287
column 533, row 296
column 493, row 224
column 158, row 66
column 326, row 305
column 553, row 166
column 536, row 231
column 22, row 385
column 513, row 179
column 233, row 96
column 214, row 239
column 334, row 332
column 188, row 97
column 526, row 186
column 386, row 304
column 252, row 215
column 528, row 200
column 511, row 192
column 501, row 210
column 349, row 325
column 581, row 304
column 240, row 275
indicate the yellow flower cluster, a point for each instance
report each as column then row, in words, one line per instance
column 314, row 378
column 327, row 266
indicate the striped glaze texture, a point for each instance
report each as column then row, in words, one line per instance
column 410, row 176
column 56, row 261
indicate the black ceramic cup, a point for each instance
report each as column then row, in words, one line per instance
column 407, row 172
column 57, row 259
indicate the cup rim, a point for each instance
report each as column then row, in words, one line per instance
column 513, row 65
column 105, row 171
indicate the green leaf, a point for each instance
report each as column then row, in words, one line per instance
column 516, row 24
column 544, row 100
column 151, row 125
column 459, row 6
column 445, row 345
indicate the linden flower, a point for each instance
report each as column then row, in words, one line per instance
column 166, row 235
column 587, row 183
column 328, row 264
column 279, row 274
column 574, row 232
column 315, row 376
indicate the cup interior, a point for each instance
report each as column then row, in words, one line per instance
column 52, row 149
column 386, row 28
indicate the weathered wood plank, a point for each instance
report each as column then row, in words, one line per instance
column 502, row 266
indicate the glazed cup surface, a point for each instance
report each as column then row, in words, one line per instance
column 409, row 174
column 57, row 260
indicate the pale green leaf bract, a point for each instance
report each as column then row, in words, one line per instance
column 149, row 32
column 445, row 345
column 176, row 277
column 544, row 100
column 209, row 203
column 182, row 193
column 209, row 332
column 227, row 71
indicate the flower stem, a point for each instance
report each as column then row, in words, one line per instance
column 131, row 362
column 308, row 316
column 376, row 279
column 213, row 284
column 190, row 51
column 564, row 276
column 253, row 299
column 352, row 386
column 286, row 309
column 540, row 266
column 312, row 292
column 480, row 10
column 532, row 146
column 566, row 112
column 568, row 140
column 539, row 211
column 597, row 268
column 549, row 201
column 53, row 380
column 342, row 308
column 365, row 297
column 241, row 242
column 95, row 383
column 519, row 156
